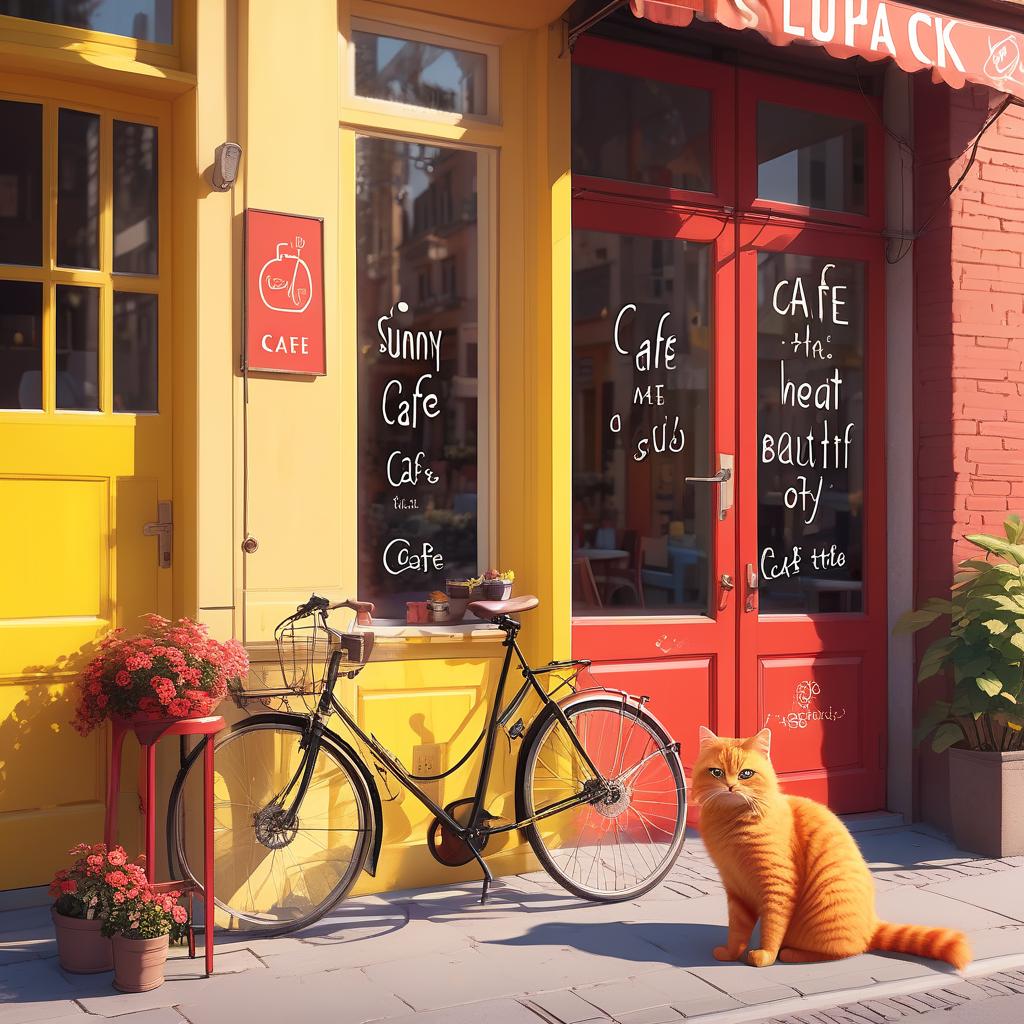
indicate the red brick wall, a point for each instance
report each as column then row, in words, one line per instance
column 969, row 344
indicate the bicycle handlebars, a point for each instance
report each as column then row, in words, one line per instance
column 363, row 609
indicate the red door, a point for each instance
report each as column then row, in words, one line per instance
column 728, row 402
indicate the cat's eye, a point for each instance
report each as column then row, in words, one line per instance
column 717, row 772
column 747, row 773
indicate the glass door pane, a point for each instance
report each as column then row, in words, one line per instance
column 810, row 429
column 641, row 424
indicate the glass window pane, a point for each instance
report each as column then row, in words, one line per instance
column 135, row 198
column 135, row 352
column 810, row 159
column 641, row 383
column 418, row 382
column 640, row 130
column 21, row 349
column 78, row 321
column 810, row 421
column 421, row 74
column 21, row 183
column 152, row 20
column 78, row 193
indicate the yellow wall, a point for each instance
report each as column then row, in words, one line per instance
column 271, row 77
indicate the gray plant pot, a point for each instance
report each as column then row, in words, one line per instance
column 986, row 792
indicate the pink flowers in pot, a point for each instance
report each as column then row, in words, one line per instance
column 84, row 890
column 171, row 670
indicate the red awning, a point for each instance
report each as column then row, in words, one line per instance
column 956, row 51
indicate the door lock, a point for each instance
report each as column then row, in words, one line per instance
column 752, row 584
column 723, row 478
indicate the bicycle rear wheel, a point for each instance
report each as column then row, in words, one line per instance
column 272, row 876
column 624, row 839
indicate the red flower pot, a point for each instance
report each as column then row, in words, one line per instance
column 81, row 948
column 139, row 963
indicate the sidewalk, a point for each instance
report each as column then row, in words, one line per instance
column 534, row 953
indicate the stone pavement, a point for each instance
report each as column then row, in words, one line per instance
column 535, row 954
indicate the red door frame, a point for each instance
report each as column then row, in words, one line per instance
column 734, row 643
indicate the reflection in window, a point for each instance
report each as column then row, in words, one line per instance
column 135, row 198
column 135, row 352
column 641, row 424
column 810, row 422
column 21, row 348
column 21, row 181
column 78, row 179
column 78, row 321
column 421, row 74
column 640, row 130
column 151, row 20
column 810, row 159
column 418, row 387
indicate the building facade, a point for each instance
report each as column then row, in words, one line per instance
column 678, row 310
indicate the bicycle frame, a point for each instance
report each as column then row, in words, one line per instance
column 475, row 829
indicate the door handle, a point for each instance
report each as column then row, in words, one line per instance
column 752, row 585
column 162, row 529
column 723, row 478
column 726, row 581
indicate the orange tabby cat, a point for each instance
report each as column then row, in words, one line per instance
column 791, row 862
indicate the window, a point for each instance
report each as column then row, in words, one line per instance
column 151, row 20
column 420, row 408
column 640, row 130
column 90, row 287
column 641, row 536
column 810, row 159
column 810, row 428
column 420, row 74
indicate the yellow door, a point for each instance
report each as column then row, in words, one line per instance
column 85, row 400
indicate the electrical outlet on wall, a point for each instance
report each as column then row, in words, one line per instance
column 426, row 760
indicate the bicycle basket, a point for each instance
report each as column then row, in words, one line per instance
column 304, row 650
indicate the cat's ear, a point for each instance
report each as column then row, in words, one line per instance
column 761, row 742
column 707, row 737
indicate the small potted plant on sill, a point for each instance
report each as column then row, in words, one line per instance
column 144, row 919
column 981, row 723
column 82, row 899
column 497, row 586
column 172, row 670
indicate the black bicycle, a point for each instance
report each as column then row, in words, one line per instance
column 599, row 786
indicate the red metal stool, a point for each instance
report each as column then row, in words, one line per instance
column 148, row 733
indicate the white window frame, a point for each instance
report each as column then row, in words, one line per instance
column 353, row 101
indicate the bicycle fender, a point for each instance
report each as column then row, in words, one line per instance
column 377, row 810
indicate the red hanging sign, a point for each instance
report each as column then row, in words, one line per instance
column 953, row 49
column 284, row 293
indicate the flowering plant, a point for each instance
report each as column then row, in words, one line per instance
column 84, row 890
column 144, row 911
column 172, row 670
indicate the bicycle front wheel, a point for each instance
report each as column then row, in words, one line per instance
column 626, row 832
column 272, row 874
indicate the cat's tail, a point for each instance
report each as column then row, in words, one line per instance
column 919, row 940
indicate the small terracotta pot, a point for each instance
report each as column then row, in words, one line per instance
column 81, row 947
column 139, row 963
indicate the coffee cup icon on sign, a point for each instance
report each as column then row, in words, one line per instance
column 286, row 284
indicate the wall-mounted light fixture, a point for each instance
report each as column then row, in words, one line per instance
column 226, row 158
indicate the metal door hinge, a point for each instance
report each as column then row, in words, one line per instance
column 163, row 530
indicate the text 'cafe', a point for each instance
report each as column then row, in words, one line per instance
column 698, row 319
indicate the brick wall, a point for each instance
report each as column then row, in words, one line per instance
column 969, row 345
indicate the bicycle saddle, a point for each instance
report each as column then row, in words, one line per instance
column 492, row 610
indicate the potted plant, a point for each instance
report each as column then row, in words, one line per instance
column 171, row 670
column 981, row 723
column 497, row 586
column 143, row 920
column 82, row 900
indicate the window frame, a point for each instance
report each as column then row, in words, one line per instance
column 52, row 97
column 352, row 100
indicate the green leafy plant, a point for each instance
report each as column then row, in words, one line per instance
column 983, row 649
